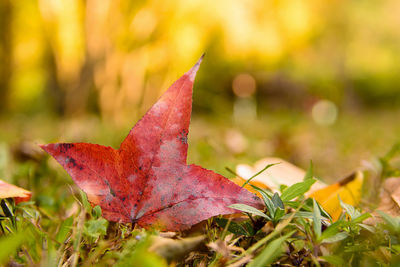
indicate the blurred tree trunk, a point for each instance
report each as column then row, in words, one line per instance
column 5, row 52
column 75, row 95
column 54, row 92
column 81, row 96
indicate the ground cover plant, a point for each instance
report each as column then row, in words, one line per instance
column 288, row 229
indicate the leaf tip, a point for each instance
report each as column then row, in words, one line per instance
column 50, row 148
column 192, row 72
column 43, row 146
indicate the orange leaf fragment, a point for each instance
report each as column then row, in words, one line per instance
column 240, row 181
column 19, row 194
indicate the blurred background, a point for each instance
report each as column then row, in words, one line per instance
column 302, row 80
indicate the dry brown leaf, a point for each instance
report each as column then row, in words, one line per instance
column 241, row 262
column 390, row 197
column 220, row 247
column 27, row 150
column 389, row 200
column 168, row 234
column 174, row 250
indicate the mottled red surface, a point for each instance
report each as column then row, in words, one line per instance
column 146, row 181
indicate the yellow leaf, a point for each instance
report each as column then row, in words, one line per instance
column 348, row 189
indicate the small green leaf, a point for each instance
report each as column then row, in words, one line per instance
column 249, row 227
column 267, row 199
column 367, row 227
column 351, row 211
column 279, row 214
column 85, row 202
column 65, row 227
column 336, row 238
column 137, row 254
column 270, row 206
column 262, row 191
column 96, row 212
column 249, row 209
column 334, row 260
column 45, row 200
column 324, row 213
column 300, row 214
column 95, row 228
column 393, row 223
column 316, row 219
column 233, row 227
column 271, row 252
column 310, row 172
column 26, row 203
column 361, row 218
column 395, row 149
column 297, row 189
column 277, row 201
column 333, row 229
column 7, row 209
column 10, row 244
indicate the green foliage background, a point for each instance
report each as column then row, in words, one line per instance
column 105, row 56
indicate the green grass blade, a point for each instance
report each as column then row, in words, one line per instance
column 316, row 219
column 271, row 252
column 334, row 260
column 270, row 206
column 310, row 172
column 351, row 211
column 10, row 244
column 393, row 223
column 249, row 209
column 278, row 203
column 336, row 238
column 258, row 173
column 278, row 229
column 65, row 228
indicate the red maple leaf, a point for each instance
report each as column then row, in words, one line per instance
column 147, row 181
